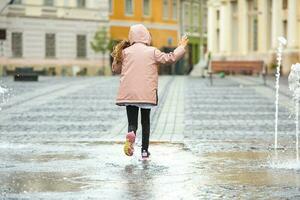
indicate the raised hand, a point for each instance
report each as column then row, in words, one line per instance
column 184, row 41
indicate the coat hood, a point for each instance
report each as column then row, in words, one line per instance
column 139, row 33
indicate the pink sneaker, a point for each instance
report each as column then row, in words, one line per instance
column 128, row 146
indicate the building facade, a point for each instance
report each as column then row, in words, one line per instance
column 52, row 35
column 193, row 21
column 249, row 30
column 161, row 17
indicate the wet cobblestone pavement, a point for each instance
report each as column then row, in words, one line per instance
column 61, row 138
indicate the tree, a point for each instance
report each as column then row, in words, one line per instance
column 101, row 43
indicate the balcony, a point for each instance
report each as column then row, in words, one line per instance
column 16, row 10
column 49, row 12
column 83, row 14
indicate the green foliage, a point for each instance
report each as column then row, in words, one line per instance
column 101, row 42
column 111, row 44
column 273, row 65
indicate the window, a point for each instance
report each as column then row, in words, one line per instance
column 174, row 5
column 81, row 46
column 186, row 16
column 285, row 4
column 170, row 41
column 81, row 3
column 48, row 3
column 218, row 14
column 17, row 2
column 255, row 35
column 255, row 5
column 235, row 33
column 2, row 34
column 50, row 45
column 110, row 6
column 146, row 7
column 129, row 7
column 165, row 9
column 17, row 44
column 196, row 20
column 285, row 28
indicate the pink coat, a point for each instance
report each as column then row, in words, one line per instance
column 139, row 76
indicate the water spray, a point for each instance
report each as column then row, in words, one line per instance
column 3, row 92
column 282, row 42
column 294, row 85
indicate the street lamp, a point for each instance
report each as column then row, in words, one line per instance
column 9, row 3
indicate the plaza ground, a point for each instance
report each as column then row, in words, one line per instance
column 61, row 138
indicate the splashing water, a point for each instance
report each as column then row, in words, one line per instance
column 282, row 41
column 3, row 91
column 294, row 85
column 286, row 164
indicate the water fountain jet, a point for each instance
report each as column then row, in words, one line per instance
column 294, row 85
column 3, row 91
column 282, row 42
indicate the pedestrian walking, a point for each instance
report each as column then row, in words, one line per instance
column 137, row 61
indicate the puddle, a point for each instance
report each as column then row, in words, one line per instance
column 259, row 178
column 239, row 155
column 97, row 169
column 49, row 157
column 252, row 168
column 30, row 182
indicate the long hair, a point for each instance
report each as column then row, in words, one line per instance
column 117, row 50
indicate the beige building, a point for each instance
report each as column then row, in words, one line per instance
column 52, row 35
column 248, row 30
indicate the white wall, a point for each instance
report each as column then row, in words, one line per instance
column 34, row 31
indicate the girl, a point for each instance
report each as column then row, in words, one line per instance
column 137, row 63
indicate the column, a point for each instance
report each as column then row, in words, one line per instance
column 263, row 32
column 211, row 29
column 277, row 29
column 243, row 26
column 225, row 28
column 292, row 31
column 291, row 53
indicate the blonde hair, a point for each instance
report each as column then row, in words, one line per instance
column 117, row 50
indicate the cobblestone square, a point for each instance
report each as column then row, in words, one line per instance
column 61, row 138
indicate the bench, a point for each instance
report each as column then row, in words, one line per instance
column 25, row 74
column 238, row 67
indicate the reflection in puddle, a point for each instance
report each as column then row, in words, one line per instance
column 139, row 182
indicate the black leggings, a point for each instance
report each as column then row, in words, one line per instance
column 132, row 116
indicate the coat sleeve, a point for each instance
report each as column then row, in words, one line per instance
column 116, row 67
column 168, row 58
